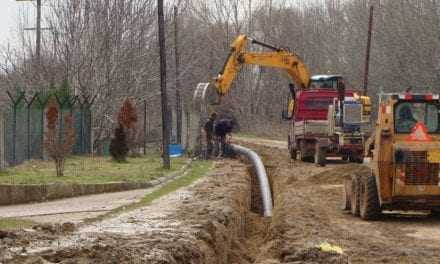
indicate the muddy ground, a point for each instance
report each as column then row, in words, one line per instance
column 216, row 221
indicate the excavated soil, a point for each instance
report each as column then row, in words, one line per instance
column 218, row 220
column 307, row 213
column 209, row 222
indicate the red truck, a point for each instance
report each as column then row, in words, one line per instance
column 328, row 121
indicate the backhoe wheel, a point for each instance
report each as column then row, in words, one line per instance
column 369, row 199
column 355, row 195
column 321, row 156
column 346, row 195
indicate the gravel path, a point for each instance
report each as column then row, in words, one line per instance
column 73, row 209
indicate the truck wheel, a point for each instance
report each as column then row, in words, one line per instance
column 357, row 159
column 355, row 195
column 360, row 159
column 435, row 212
column 302, row 152
column 369, row 200
column 293, row 154
column 292, row 151
column 346, row 195
column 321, row 156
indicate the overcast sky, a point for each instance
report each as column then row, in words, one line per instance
column 9, row 10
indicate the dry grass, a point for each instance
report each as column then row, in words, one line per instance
column 85, row 169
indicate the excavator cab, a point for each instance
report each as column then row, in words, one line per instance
column 405, row 159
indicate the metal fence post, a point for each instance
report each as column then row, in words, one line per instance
column 145, row 127
column 2, row 142
column 14, row 134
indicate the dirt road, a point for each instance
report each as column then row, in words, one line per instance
column 307, row 201
column 216, row 221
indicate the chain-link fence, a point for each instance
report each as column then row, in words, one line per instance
column 23, row 126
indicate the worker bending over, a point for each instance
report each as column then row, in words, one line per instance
column 223, row 128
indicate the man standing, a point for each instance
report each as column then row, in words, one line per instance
column 223, row 128
column 209, row 131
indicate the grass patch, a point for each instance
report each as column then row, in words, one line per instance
column 90, row 169
column 15, row 223
column 198, row 170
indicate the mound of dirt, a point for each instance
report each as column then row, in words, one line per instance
column 209, row 222
column 336, row 175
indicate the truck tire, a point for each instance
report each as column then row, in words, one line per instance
column 357, row 159
column 292, row 150
column 293, row 154
column 360, row 159
column 346, row 195
column 435, row 212
column 302, row 152
column 321, row 156
column 355, row 195
column 369, row 199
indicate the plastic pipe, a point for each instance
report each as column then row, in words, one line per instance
column 260, row 170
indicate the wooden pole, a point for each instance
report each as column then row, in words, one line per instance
column 177, row 73
column 163, row 87
column 38, row 44
column 367, row 59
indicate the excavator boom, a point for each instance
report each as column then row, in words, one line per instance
column 278, row 58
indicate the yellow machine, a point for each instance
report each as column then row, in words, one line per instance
column 278, row 58
column 291, row 63
column 405, row 159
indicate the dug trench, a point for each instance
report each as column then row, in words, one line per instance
column 307, row 201
column 218, row 220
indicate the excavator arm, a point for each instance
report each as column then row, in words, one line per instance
column 278, row 58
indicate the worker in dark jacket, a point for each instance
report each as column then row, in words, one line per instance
column 209, row 131
column 222, row 129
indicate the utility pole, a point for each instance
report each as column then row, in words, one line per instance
column 38, row 44
column 38, row 31
column 163, row 87
column 367, row 59
column 177, row 73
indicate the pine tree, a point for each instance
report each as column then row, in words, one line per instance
column 118, row 145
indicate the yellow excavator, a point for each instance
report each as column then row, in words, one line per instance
column 277, row 58
column 315, row 93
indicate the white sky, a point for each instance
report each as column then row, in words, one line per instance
column 9, row 13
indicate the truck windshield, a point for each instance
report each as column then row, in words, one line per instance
column 408, row 114
column 324, row 84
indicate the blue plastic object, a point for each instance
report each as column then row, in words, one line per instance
column 176, row 150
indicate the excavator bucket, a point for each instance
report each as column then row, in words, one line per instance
column 205, row 96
